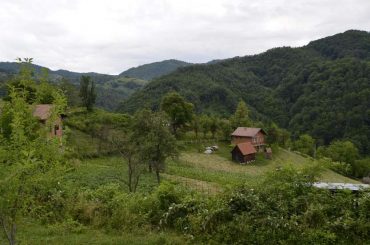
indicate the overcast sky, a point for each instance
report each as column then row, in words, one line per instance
column 112, row 35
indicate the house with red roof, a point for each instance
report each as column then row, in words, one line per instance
column 247, row 142
column 255, row 136
column 43, row 113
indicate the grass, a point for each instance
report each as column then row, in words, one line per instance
column 208, row 174
column 31, row 233
column 94, row 172
column 217, row 170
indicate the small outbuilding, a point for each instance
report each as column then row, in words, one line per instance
column 244, row 152
column 43, row 113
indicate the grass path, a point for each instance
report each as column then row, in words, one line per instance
column 194, row 184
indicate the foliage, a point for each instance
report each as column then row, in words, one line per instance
column 30, row 160
column 341, row 151
column 179, row 111
column 320, row 89
column 155, row 143
column 154, row 70
column 87, row 92
column 361, row 168
column 241, row 116
column 305, row 144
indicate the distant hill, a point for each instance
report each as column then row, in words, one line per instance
column 154, row 70
column 322, row 89
column 111, row 89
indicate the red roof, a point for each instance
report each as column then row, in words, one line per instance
column 247, row 132
column 42, row 111
column 246, row 148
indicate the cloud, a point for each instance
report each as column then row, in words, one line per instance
column 112, row 35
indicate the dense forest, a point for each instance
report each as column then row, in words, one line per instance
column 154, row 70
column 321, row 89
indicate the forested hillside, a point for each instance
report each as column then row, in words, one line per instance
column 154, row 70
column 321, row 89
column 111, row 89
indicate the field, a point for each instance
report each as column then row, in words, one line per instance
column 196, row 169
column 206, row 174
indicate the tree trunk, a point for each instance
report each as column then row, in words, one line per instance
column 129, row 175
column 158, row 176
column 12, row 234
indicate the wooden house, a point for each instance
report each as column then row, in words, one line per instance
column 43, row 113
column 244, row 153
column 255, row 136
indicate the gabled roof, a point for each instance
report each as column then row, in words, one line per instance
column 246, row 148
column 42, row 111
column 247, row 132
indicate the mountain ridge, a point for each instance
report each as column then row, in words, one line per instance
column 321, row 88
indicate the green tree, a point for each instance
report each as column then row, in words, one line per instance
column 23, row 82
column 87, row 92
column 241, row 116
column 214, row 126
column 305, row 144
column 195, row 125
column 70, row 91
column 205, row 124
column 179, row 111
column 27, row 158
column 225, row 129
column 159, row 143
column 340, row 151
column 44, row 91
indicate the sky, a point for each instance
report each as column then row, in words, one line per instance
column 111, row 36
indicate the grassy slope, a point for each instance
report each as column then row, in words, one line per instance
column 217, row 169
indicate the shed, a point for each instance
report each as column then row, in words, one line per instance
column 244, row 153
column 43, row 113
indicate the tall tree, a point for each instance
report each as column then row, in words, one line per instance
column 179, row 111
column 87, row 92
column 225, row 129
column 205, row 124
column 70, row 91
column 241, row 116
column 214, row 126
column 160, row 143
column 195, row 125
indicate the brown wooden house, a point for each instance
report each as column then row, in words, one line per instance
column 43, row 113
column 255, row 136
column 244, row 152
